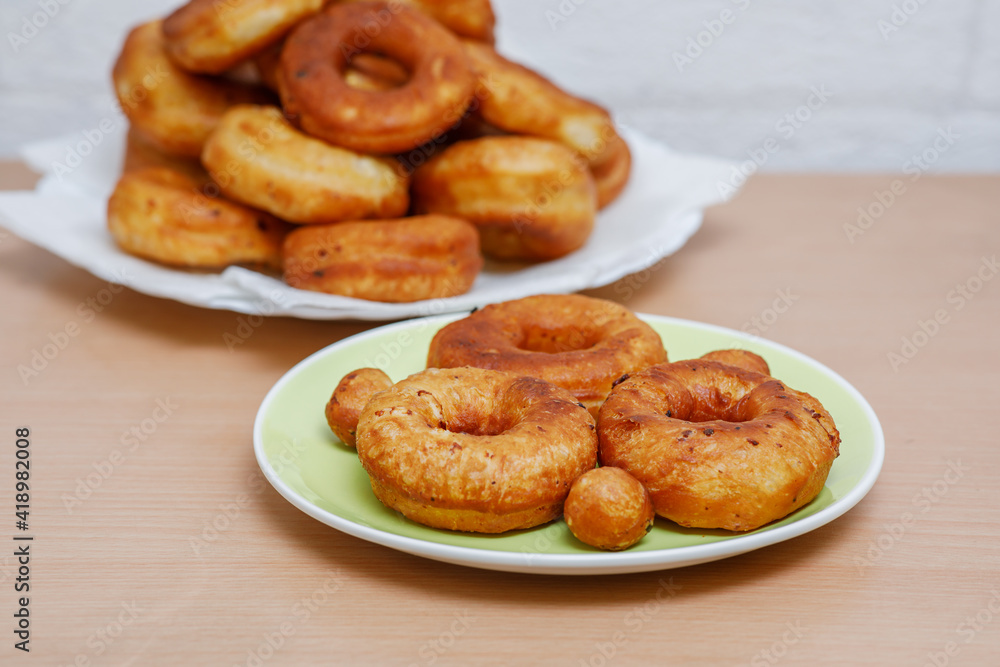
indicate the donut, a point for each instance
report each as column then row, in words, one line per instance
column 466, row 18
column 475, row 450
column 402, row 260
column 349, row 398
column 169, row 108
column 520, row 101
column 740, row 358
column 576, row 342
column 718, row 446
column 529, row 197
column 612, row 176
column 609, row 509
column 161, row 214
column 211, row 36
column 320, row 49
column 259, row 159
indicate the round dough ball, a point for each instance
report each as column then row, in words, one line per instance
column 609, row 509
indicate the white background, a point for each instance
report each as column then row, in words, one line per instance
column 893, row 85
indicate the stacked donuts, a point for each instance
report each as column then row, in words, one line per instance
column 522, row 399
column 369, row 149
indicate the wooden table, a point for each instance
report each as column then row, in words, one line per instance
column 141, row 442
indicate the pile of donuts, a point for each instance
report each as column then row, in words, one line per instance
column 522, row 400
column 375, row 150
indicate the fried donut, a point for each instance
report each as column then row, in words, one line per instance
column 473, row 19
column 576, row 342
column 741, row 359
column 171, row 109
column 160, row 214
column 318, row 51
column 475, row 450
column 521, row 101
column 529, row 197
column 259, row 159
column 609, row 509
column 349, row 398
column 408, row 259
column 718, row 446
column 612, row 176
column 210, row 36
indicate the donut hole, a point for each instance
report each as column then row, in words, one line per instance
column 554, row 340
column 710, row 403
column 371, row 71
column 475, row 423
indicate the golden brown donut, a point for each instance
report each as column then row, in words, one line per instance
column 612, row 176
column 576, row 342
column 161, row 214
column 744, row 359
column 171, row 109
column 520, row 101
column 211, row 36
column 718, row 446
column 475, row 450
column 467, row 18
column 609, row 509
column 349, row 398
column 259, row 159
column 318, row 51
column 530, row 198
column 408, row 259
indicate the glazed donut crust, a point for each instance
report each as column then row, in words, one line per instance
column 319, row 50
column 211, row 36
column 718, row 446
column 576, row 342
column 609, row 509
column 401, row 260
column 475, row 450
column 258, row 158
column 520, row 101
column 169, row 108
column 349, row 398
column 530, row 198
column 161, row 214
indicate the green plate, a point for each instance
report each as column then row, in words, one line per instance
column 317, row 473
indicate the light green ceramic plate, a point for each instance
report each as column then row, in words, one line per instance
column 318, row 474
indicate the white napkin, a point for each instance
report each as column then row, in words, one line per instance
column 65, row 214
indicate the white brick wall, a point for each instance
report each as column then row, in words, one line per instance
column 888, row 93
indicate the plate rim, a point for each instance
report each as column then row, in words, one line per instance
column 576, row 564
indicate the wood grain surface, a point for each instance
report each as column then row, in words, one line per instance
column 158, row 542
